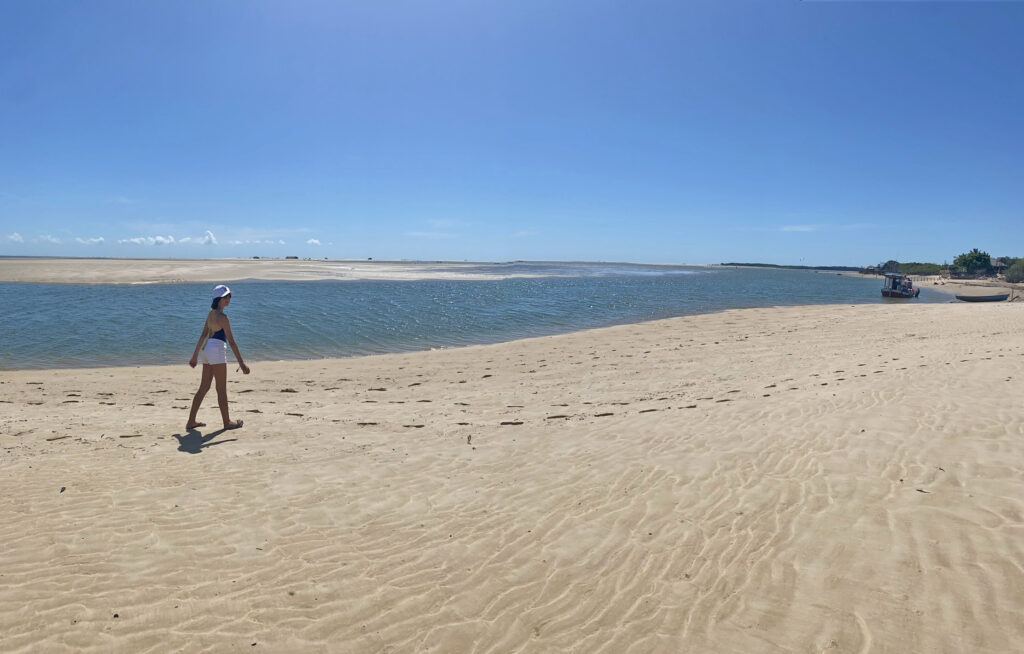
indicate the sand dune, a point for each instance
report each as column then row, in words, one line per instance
column 814, row 479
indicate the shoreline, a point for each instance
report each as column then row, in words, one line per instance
column 952, row 286
column 792, row 475
column 449, row 348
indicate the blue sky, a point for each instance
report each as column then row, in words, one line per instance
column 814, row 133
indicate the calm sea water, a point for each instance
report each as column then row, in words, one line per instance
column 53, row 326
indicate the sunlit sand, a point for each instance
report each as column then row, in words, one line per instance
column 811, row 479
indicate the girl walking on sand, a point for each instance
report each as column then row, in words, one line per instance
column 213, row 347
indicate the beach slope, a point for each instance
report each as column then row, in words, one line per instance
column 810, row 479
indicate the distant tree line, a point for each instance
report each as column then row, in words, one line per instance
column 975, row 263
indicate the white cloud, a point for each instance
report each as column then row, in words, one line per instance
column 206, row 239
column 16, row 237
column 89, row 241
column 312, row 241
column 149, row 240
column 49, row 239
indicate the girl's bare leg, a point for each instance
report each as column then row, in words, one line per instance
column 220, row 375
column 204, row 386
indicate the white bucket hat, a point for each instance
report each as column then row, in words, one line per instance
column 221, row 291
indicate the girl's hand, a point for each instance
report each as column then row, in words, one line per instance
column 245, row 368
column 193, row 361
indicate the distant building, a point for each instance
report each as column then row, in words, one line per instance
column 291, row 257
column 998, row 266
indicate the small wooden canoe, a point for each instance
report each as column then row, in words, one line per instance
column 984, row 298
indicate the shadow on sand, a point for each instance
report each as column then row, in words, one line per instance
column 194, row 442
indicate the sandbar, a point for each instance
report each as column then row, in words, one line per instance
column 175, row 271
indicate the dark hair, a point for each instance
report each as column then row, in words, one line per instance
column 216, row 301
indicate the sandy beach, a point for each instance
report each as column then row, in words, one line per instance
column 811, row 479
column 215, row 271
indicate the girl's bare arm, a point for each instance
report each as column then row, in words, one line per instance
column 195, row 355
column 226, row 325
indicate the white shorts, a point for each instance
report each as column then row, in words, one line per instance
column 216, row 351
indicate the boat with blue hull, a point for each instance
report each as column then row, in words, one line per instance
column 898, row 285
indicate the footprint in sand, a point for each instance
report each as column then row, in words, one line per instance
column 512, row 422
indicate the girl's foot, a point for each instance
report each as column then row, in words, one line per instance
column 236, row 424
column 194, row 425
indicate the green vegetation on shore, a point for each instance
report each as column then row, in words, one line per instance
column 973, row 264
